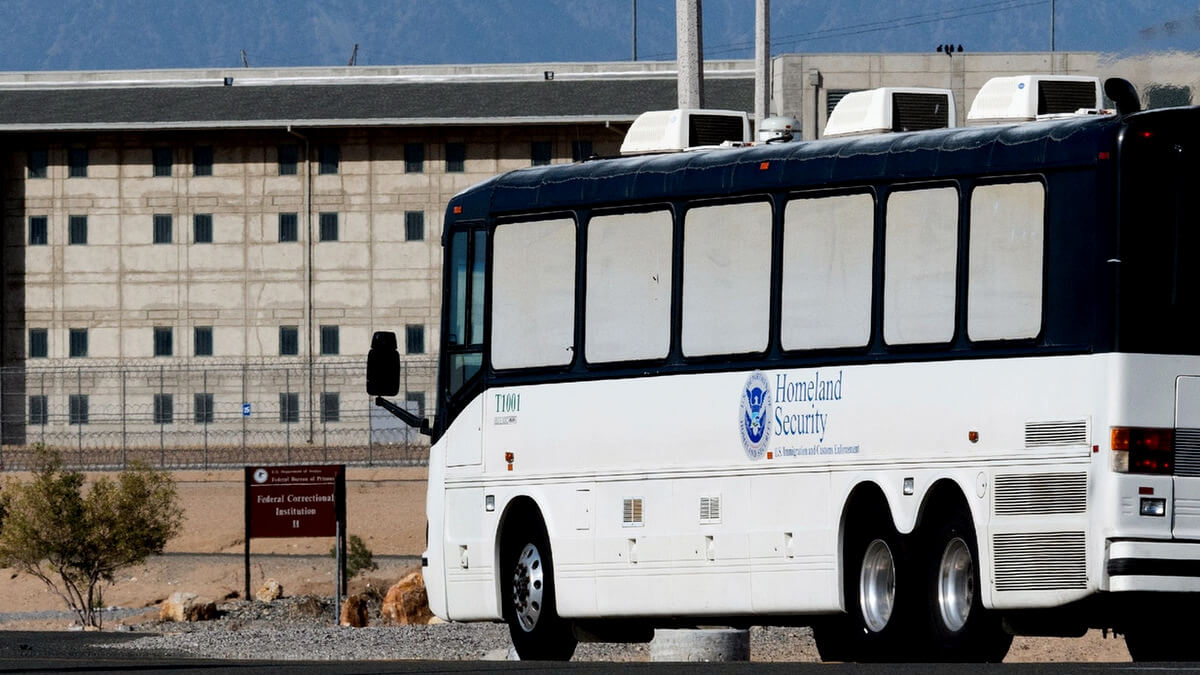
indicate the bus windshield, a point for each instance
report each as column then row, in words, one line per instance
column 1159, row 239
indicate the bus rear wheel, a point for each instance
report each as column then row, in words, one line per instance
column 960, row 627
column 538, row 633
column 873, row 628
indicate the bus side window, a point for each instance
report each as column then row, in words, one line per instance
column 628, row 305
column 920, row 266
column 1004, row 290
column 533, row 294
column 828, row 246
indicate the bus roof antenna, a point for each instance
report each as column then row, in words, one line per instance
column 1123, row 94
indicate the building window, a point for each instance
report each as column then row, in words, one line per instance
column 202, row 228
column 414, row 225
column 39, row 161
column 77, row 409
column 289, row 407
column 414, row 339
column 539, row 153
column 162, row 228
column 329, row 154
column 202, row 341
column 77, row 162
column 414, row 157
column 202, row 408
column 39, row 344
column 202, row 160
column 289, row 340
column 164, row 408
column 38, row 231
column 456, row 157
column 580, row 150
column 330, row 406
column 163, row 157
column 39, row 410
column 163, row 341
column 78, row 343
column 77, row 230
column 329, row 340
column 416, row 402
column 289, row 155
column 329, row 226
column 288, row 227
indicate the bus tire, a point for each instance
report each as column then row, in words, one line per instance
column 538, row 633
column 877, row 586
column 960, row 627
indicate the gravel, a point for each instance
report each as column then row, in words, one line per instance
column 302, row 629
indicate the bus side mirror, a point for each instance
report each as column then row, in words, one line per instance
column 383, row 365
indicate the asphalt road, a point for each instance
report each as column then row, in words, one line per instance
column 80, row 651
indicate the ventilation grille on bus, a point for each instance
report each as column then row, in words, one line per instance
column 1187, row 452
column 1050, row 434
column 918, row 112
column 1058, row 96
column 710, row 509
column 632, row 512
column 1040, row 561
column 713, row 129
column 1022, row 495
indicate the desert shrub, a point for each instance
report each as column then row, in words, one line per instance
column 75, row 542
column 359, row 558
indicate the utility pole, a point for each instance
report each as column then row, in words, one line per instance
column 635, row 30
column 689, row 53
column 762, row 62
column 1051, row 26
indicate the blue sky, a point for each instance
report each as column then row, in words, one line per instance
column 133, row 34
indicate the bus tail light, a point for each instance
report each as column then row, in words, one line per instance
column 1143, row 450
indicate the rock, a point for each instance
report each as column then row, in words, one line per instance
column 406, row 602
column 354, row 612
column 183, row 606
column 270, row 590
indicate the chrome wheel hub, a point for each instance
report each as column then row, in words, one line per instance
column 956, row 584
column 877, row 585
column 527, row 587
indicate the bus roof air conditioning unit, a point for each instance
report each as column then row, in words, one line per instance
column 677, row 130
column 889, row 109
column 1024, row 98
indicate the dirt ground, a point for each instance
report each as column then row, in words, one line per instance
column 385, row 507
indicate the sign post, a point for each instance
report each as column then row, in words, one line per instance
column 298, row 501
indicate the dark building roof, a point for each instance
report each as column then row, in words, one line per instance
column 358, row 104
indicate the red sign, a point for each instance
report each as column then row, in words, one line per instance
column 294, row 501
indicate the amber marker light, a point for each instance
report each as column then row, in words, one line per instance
column 508, row 457
column 763, row 166
column 457, row 210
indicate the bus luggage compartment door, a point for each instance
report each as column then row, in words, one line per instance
column 1186, row 502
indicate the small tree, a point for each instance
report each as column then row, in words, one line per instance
column 72, row 541
column 359, row 558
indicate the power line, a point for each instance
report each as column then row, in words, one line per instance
column 990, row 7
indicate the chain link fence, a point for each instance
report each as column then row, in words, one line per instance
column 210, row 414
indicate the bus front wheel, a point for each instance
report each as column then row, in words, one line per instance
column 537, row 632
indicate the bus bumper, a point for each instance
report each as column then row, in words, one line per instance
column 1171, row 566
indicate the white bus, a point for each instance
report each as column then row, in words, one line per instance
column 921, row 391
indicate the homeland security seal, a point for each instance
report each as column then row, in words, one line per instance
column 754, row 416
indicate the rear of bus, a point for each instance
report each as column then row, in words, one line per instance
column 1149, row 508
